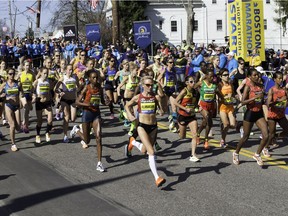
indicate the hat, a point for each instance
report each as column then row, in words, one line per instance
column 157, row 57
column 231, row 54
column 112, row 46
column 260, row 69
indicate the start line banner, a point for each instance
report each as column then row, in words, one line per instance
column 93, row 33
column 246, row 27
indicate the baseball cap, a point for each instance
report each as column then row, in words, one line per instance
column 231, row 54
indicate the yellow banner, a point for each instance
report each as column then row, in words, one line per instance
column 246, row 27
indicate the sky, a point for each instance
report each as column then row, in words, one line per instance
column 22, row 17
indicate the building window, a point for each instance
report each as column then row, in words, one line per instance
column 160, row 24
column 195, row 25
column 267, row 1
column 219, row 25
column 173, row 26
column 265, row 24
column 214, row 1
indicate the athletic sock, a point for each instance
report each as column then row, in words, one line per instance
column 152, row 165
column 49, row 127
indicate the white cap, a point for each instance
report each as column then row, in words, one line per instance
column 231, row 54
column 259, row 69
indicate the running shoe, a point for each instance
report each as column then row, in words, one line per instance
column 194, row 159
column 25, row 128
column 121, row 116
column 112, row 116
column 4, row 122
column 126, row 152
column 235, row 158
column 14, row 148
column 127, row 123
column 258, row 159
column 47, row 137
column 265, row 152
column 66, row 139
column 130, row 145
column 1, row 135
column 157, row 147
column 84, row 145
column 38, row 139
column 222, row 144
column 206, row 145
column 74, row 131
column 160, row 181
column 100, row 167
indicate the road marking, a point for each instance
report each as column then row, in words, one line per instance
column 244, row 152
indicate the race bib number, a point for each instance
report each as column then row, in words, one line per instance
column 95, row 100
column 148, row 108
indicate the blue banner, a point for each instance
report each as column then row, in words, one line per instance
column 93, row 32
column 142, row 33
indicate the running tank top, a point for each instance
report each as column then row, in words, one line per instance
column 11, row 91
column 169, row 79
column 146, row 105
column 188, row 101
column 207, row 92
column 26, row 80
column 69, row 84
column 255, row 105
column 227, row 89
column 277, row 111
column 43, row 87
column 131, row 85
column 93, row 97
column 110, row 74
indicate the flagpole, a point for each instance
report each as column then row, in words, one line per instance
column 38, row 14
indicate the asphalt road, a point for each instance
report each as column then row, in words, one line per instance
column 61, row 179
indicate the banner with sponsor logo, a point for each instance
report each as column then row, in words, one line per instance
column 93, row 33
column 246, row 27
column 69, row 32
column 142, row 33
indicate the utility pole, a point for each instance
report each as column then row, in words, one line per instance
column 38, row 14
column 11, row 21
column 115, row 21
column 76, row 16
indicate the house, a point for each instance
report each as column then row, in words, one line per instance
column 169, row 22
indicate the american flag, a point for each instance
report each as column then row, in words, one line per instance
column 94, row 4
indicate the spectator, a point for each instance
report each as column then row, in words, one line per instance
column 255, row 59
column 232, row 63
column 222, row 57
column 197, row 60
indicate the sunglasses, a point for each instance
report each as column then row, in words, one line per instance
column 241, row 63
column 218, row 50
column 112, row 61
column 191, row 81
column 82, row 55
column 59, row 55
column 11, row 74
column 148, row 85
column 225, row 74
column 171, row 62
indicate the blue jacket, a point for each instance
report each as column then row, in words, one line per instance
column 223, row 60
column 196, row 62
column 232, row 65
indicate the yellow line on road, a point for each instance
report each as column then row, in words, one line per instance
column 244, row 152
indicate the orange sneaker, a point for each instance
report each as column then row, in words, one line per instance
column 160, row 181
column 130, row 146
column 206, row 145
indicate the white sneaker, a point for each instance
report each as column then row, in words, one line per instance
column 100, row 167
column 84, row 145
column 47, row 137
column 14, row 148
column 74, row 130
column 4, row 122
column 210, row 133
column 38, row 139
column 194, row 159
column 66, row 140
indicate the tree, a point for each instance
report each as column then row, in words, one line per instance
column 65, row 15
column 190, row 19
column 130, row 11
column 282, row 10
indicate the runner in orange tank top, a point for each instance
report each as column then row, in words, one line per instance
column 226, row 105
column 277, row 103
column 253, row 96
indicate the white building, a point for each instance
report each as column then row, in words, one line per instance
column 169, row 22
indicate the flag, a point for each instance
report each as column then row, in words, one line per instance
column 32, row 10
column 94, row 4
